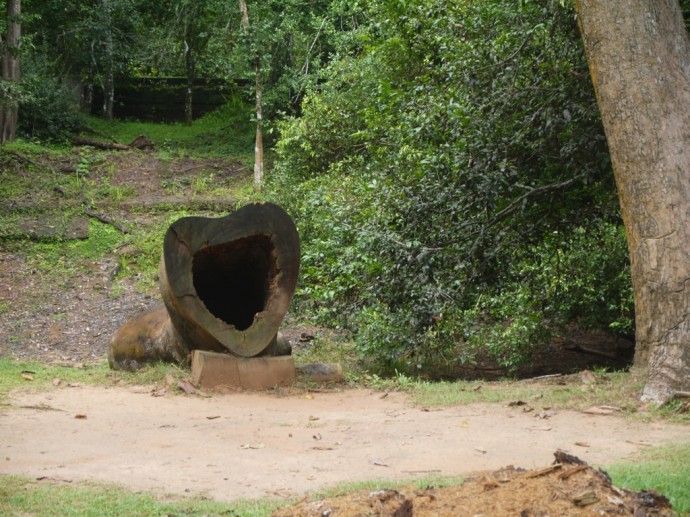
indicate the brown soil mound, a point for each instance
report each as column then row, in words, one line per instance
column 569, row 487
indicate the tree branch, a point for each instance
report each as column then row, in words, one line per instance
column 107, row 220
column 513, row 206
column 532, row 192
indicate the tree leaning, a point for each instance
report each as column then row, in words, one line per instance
column 639, row 58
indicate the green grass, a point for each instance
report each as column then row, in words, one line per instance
column 57, row 261
column 422, row 483
column 328, row 347
column 34, row 376
column 30, row 175
column 141, row 251
column 664, row 469
column 20, row 497
column 31, row 148
column 26, row 175
column 612, row 388
column 227, row 131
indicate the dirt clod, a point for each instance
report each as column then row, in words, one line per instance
column 510, row 491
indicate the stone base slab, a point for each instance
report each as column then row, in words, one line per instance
column 214, row 371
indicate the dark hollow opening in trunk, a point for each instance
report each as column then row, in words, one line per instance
column 234, row 280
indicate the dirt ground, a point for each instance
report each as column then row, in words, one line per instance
column 278, row 443
column 282, row 444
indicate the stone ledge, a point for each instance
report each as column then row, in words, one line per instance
column 214, row 371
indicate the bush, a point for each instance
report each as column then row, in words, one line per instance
column 452, row 185
column 48, row 110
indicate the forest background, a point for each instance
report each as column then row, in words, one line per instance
column 444, row 161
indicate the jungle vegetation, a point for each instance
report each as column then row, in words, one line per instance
column 445, row 161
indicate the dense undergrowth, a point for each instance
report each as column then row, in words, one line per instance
column 451, row 183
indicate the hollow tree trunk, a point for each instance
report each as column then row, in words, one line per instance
column 10, row 72
column 226, row 284
column 639, row 59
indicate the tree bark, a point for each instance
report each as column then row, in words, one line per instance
column 245, row 16
column 87, row 93
column 189, row 94
column 639, row 59
column 259, row 141
column 10, row 72
column 109, row 86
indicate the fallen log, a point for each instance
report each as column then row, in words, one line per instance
column 226, row 284
column 111, row 146
column 142, row 142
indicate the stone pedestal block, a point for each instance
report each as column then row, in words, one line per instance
column 214, row 371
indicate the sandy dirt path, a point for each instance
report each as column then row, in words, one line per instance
column 254, row 445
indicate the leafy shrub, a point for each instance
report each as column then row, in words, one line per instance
column 452, row 186
column 48, row 110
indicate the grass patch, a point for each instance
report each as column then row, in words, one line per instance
column 664, row 469
column 26, row 174
column 21, row 496
column 619, row 389
column 141, row 252
column 226, row 131
column 348, row 487
column 35, row 376
column 328, row 347
column 57, row 261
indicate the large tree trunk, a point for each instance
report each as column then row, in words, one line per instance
column 10, row 72
column 639, row 60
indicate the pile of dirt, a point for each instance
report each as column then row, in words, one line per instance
column 567, row 487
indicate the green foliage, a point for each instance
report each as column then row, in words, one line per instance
column 452, row 187
column 664, row 469
column 286, row 43
column 48, row 109
column 21, row 496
